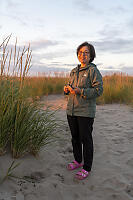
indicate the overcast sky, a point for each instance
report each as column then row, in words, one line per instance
column 55, row 28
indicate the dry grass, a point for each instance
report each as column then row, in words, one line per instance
column 39, row 86
column 118, row 88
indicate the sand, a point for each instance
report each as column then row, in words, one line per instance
column 112, row 171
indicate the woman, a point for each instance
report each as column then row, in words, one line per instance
column 85, row 85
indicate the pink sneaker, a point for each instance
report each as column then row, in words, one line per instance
column 82, row 174
column 74, row 165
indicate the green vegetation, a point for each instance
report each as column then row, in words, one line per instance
column 9, row 173
column 24, row 126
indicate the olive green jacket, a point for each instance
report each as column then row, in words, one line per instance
column 89, row 80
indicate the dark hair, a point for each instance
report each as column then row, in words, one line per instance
column 91, row 49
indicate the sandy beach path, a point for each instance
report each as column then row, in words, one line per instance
column 112, row 172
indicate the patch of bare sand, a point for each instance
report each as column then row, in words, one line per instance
column 111, row 176
column 55, row 101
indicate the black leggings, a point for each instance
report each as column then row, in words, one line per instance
column 81, row 131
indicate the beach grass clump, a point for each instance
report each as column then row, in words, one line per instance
column 43, row 128
column 6, row 100
column 24, row 126
column 33, row 128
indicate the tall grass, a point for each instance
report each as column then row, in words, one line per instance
column 118, row 88
column 23, row 124
column 39, row 86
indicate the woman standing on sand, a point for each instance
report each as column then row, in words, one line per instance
column 85, row 85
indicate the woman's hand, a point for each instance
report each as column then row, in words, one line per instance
column 69, row 89
column 66, row 90
column 72, row 90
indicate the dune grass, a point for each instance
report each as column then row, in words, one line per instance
column 24, row 126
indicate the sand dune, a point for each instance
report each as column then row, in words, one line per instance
column 112, row 172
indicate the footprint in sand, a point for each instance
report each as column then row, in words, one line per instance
column 129, row 189
column 118, row 140
column 130, row 162
column 35, row 177
column 66, row 150
column 61, row 177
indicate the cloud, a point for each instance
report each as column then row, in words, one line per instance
column 49, row 69
column 56, row 54
column 19, row 19
column 51, row 54
column 37, row 45
column 51, row 64
column 66, row 68
column 45, row 62
column 26, row 21
column 83, row 5
column 130, row 25
column 16, row 17
column 104, row 9
column 11, row 4
column 42, row 44
column 99, row 64
column 12, row 10
column 111, row 69
column 116, row 45
column 40, row 58
column 119, row 9
column 127, row 69
column 110, row 31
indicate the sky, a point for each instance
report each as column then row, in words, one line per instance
column 55, row 28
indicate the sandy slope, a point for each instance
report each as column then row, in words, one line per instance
column 112, row 173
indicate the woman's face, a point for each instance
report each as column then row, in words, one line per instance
column 84, row 55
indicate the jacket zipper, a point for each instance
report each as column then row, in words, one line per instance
column 74, row 94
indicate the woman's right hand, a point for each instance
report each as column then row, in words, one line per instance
column 66, row 90
column 70, row 89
